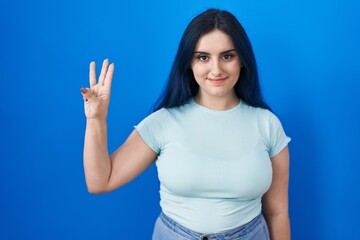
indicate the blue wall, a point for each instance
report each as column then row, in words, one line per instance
column 309, row 59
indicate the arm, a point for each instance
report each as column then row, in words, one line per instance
column 106, row 173
column 275, row 201
column 103, row 172
column 97, row 163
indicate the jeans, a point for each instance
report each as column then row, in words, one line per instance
column 168, row 229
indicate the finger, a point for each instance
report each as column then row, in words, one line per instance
column 103, row 71
column 109, row 76
column 92, row 74
column 86, row 93
column 83, row 91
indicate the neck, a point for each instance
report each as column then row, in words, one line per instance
column 217, row 103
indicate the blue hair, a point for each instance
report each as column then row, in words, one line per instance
column 181, row 85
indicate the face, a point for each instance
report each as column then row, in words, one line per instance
column 216, row 65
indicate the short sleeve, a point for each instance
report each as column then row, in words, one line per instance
column 151, row 130
column 278, row 140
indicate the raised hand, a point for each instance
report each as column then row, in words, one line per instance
column 97, row 97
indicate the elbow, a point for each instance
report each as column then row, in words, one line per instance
column 96, row 190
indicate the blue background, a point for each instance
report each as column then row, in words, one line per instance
column 308, row 56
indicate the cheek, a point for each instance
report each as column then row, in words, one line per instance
column 199, row 71
column 238, row 72
column 234, row 69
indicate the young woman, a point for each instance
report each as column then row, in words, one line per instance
column 221, row 154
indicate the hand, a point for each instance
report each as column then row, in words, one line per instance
column 97, row 97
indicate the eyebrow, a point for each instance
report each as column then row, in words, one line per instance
column 227, row 51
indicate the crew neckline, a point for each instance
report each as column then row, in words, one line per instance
column 193, row 102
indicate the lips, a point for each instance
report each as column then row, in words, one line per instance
column 217, row 81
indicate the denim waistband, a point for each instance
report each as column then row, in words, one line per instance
column 234, row 233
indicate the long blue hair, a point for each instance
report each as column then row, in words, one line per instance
column 181, row 85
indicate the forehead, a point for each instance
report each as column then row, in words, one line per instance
column 214, row 41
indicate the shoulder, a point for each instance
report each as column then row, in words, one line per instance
column 176, row 112
column 155, row 119
column 257, row 112
column 164, row 116
column 159, row 114
column 264, row 118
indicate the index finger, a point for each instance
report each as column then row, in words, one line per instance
column 92, row 75
column 109, row 76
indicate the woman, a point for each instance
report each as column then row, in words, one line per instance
column 222, row 156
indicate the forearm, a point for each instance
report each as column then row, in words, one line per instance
column 97, row 164
column 279, row 226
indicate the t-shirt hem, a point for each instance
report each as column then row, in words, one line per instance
column 146, row 140
column 280, row 147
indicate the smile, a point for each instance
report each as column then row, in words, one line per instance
column 217, row 81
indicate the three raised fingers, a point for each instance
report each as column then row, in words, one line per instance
column 106, row 74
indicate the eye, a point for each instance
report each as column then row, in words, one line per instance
column 228, row 56
column 203, row 58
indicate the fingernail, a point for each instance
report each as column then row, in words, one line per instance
column 83, row 90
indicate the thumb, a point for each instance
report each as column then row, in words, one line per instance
column 86, row 93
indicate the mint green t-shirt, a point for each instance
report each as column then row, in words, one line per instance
column 213, row 166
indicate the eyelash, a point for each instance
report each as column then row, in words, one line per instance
column 200, row 57
column 228, row 55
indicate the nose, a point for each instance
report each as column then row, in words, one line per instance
column 216, row 68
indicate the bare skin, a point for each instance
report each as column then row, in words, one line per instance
column 105, row 173
column 275, row 200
